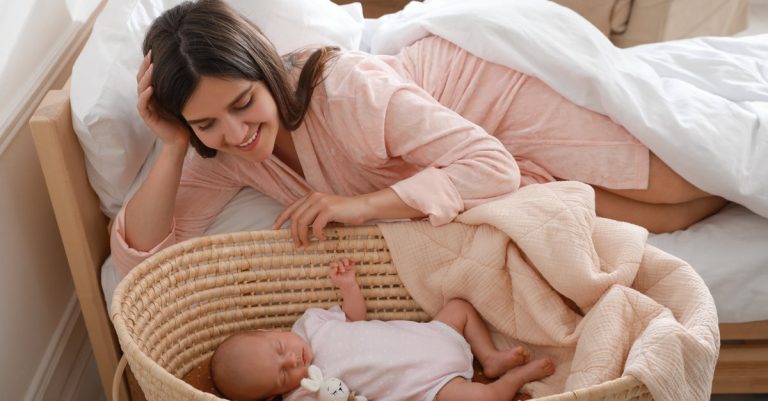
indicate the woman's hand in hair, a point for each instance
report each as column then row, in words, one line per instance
column 171, row 133
column 317, row 209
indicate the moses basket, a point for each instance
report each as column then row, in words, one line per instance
column 172, row 310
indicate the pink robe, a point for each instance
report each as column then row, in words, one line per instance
column 436, row 124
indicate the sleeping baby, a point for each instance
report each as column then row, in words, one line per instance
column 382, row 360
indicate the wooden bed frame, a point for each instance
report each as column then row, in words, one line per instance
column 741, row 368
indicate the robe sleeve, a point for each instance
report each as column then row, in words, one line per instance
column 383, row 116
column 205, row 188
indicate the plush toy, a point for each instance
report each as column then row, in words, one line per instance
column 331, row 389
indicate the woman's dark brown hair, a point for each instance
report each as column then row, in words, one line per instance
column 208, row 38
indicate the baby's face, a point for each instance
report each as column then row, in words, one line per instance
column 279, row 361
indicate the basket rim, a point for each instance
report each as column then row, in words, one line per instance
column 625, row 382
column 220, row 239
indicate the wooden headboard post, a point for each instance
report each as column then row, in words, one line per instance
column 82, row 226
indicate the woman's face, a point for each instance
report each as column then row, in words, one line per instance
column 234, row 116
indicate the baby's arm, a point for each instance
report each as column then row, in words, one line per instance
column 342, row 275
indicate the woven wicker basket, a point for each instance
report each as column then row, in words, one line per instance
column 173, row 309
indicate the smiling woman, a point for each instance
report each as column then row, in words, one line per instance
column 235, row 97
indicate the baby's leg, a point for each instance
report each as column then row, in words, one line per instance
column 463, row 317
column 503, row 389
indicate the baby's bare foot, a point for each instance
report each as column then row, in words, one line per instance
column 534, row 370
column 500, row 362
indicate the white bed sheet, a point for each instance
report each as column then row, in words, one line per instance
column 728, row 250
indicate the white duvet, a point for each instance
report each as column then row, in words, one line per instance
column 701, row 105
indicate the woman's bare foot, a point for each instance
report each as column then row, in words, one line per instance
column 536, row 369
column 500, row 362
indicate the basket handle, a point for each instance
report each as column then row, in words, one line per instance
column 118, row 378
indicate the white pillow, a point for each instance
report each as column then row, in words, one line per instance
column 115, row 140
column 293, row 24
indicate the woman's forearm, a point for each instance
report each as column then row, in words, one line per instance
column 149, row 213
column 386, row 204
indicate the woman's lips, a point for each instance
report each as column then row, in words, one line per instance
column 256, row 138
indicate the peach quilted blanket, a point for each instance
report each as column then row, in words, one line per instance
column 546, row 273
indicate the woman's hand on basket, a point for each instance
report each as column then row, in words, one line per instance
column 172, row 133
column 317, row 209
column 342, row 274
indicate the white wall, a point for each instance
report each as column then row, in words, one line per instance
column 44, row 351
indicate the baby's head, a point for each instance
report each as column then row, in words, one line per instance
column 259, row 365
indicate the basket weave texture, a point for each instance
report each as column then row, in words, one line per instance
column 176, row 307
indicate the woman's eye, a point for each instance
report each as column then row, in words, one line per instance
column 204, row 127
column 245, row 106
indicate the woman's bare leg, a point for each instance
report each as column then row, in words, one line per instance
column 664, row 186
column 657, row 218
column 503, row 389
column 463, row 317
column 670, row 203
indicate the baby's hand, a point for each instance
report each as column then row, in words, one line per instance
column 342, row 273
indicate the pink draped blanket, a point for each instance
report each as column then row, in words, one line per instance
column 521, row 261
